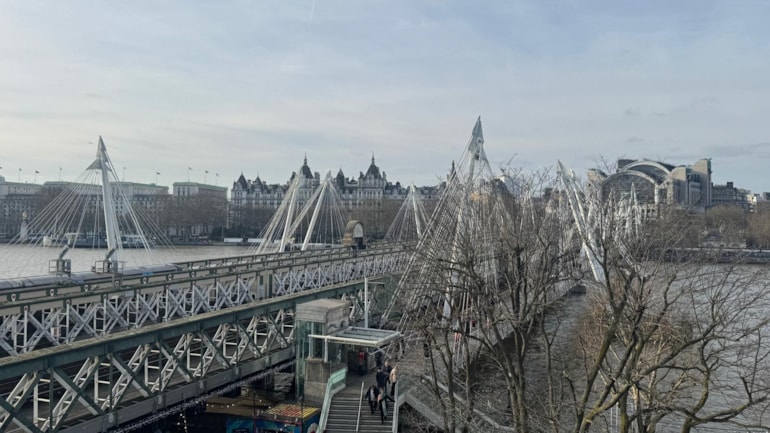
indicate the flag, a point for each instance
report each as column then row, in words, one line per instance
column 207, row 172
column 189, row 168
column 157, row 172
column 37, row 172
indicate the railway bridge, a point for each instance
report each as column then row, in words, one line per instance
column 92, row 356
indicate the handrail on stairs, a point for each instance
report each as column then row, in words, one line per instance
column 332, row 387
column 360, row 399
column 395, row 407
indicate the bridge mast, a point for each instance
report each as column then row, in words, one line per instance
column 114, row 245
column 582, row 217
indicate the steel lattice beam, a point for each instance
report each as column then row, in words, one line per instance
column 94, row 377
column 63, row 319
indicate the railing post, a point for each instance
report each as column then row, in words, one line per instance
column 360, row 399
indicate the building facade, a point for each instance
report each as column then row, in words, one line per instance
column 252, row 202
column 17, row 201
column 655, row 184
column 196, row 210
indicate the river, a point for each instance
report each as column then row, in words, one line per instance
column 28, row 260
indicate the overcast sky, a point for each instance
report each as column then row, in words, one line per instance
column 253, row 86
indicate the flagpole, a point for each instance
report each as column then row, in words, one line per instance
column 189, row 169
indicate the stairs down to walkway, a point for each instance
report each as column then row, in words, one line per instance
column 344, row 413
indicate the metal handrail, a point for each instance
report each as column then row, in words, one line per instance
column 395, row 407
column 331, row 388
column 360, row 399
column 477, row 411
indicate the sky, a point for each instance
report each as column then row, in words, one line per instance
column 229, row 87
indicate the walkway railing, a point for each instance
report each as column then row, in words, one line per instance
column 332, row 387
column 491, row 424
column 396, row 404
column 360, row 400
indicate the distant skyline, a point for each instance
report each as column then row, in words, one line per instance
column 252, row 86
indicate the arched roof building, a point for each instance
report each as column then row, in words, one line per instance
column 656, row 183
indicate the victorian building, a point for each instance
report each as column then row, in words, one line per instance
column 252, row 200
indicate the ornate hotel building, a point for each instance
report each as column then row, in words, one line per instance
column 251, row 201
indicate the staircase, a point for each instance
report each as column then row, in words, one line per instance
column 343, row 414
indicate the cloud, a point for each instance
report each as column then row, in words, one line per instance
column 631, row 112
column 253, row 86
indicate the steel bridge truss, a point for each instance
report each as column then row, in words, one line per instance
column 63, row 319
column 48, row 397
column 104, row 380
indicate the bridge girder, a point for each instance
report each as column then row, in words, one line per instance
column 157, row 339
column 62, row 319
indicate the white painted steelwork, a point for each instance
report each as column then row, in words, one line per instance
column 156, row 339
column 27, row 325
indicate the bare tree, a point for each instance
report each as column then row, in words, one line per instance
column 487, row 277
column 669, row 342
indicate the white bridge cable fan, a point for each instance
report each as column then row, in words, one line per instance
column 92, row 212
column 302, row 222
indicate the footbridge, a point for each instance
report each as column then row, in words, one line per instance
column 93, row 356
column 99, row 353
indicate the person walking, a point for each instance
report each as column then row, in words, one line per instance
column 371, row 396
column 361, row 362
column 382, row 380
column 393, row 378
column 383, row 403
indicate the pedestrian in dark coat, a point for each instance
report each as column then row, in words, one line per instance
column 371, row 396
column 382, row 380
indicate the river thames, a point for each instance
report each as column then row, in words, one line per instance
column 28, row 260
